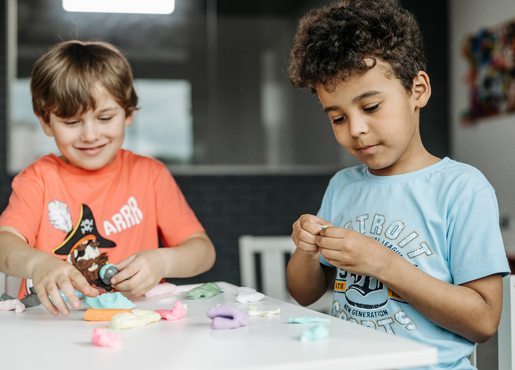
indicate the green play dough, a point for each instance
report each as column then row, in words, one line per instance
column 109, row 300
column 207, row 290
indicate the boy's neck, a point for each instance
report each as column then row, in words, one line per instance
column 408, row 164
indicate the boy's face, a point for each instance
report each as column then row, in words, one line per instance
column 91, row 140
column 375, row 119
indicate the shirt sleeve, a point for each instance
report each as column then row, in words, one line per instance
column 175, row 218
column 25, row 207
column 476, row 246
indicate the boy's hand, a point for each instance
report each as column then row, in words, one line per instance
column 139, row 273
column 305, row 232
column 353, row 251
column 50, row 275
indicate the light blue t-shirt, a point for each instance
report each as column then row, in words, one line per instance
column 444, row 219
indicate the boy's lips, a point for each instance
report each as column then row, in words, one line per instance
column 368, row 149
column 92, row 151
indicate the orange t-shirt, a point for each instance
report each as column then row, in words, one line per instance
column 92, row 217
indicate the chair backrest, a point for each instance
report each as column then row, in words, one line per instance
column 506, row 331
column 273, row 273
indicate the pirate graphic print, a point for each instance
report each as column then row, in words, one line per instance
column 82, row 242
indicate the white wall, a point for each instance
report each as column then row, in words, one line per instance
column 490, row 144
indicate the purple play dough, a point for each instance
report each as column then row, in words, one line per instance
column 227, row 317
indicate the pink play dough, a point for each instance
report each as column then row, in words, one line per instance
column 12, row 304
column 178, row 312
column 104, row 338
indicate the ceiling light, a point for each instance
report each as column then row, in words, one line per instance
column 120, row 6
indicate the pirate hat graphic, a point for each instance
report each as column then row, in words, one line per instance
column 84, row 230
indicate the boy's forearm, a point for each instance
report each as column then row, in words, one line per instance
column 191, row 257
column 471, row 310
column 305, row 277
column 16, row 256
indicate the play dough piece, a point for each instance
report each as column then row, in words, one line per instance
column 161, row 289
column 178, row 312
column 227, row 317
column 30, row 300
column 109, row 300
column 104, row 338
column 134, row 320
column 12, row 304
column 248, row 295
column 268, row 313
column 103, row 314
column 307, row 320
column 319, row 332
column 323, row 226
column 207, row 290
column 77, row 293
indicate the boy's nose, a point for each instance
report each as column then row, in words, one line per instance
column 90, row 133
column 357, row 127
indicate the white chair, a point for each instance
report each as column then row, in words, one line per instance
column 272, row 250
column 506, row 331
column 9, row 284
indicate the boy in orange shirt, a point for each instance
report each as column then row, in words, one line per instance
column 68, row 215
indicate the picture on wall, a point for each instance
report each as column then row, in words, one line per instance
column 490, row 54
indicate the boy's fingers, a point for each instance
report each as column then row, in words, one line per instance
column 46, row 302
column 335, row 232
column 311, row 223
column 123, row 275
column 126, row 262
column 81, row 284
column 57, row 300
column 69, row 292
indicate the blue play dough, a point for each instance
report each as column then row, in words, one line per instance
column 79, row 295
column 307, row 320
column 109, row 300
column 317, row 333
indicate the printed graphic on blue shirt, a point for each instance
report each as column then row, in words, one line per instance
column 367, row 301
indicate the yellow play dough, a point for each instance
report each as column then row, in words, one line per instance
column 133, row 320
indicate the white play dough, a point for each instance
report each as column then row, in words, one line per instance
column 135, row 319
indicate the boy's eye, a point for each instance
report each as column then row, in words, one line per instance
column 371, row 109
column 73, row 122
column 339, row 120
column 107, row 118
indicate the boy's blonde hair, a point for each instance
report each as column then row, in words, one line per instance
column 64, row 78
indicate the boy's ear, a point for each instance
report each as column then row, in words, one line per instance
column 46, row 126
column 421, row 89
column 128, row 119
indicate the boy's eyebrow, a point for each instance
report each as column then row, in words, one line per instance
column 366, row 94
column 106, row 109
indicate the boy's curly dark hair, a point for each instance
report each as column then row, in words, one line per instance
column 334, row 42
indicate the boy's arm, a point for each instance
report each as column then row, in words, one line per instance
column 306, row 277
column 472, row 310
column 48, row 273
column 142, row 271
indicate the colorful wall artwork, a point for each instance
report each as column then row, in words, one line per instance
column 491, row 73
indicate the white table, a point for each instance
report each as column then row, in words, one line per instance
column 35, row 339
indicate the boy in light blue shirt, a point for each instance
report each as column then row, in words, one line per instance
column 413, row 246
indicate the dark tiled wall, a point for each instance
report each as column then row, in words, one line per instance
column 433, row 18
column 5, row 180
column 230, row 206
